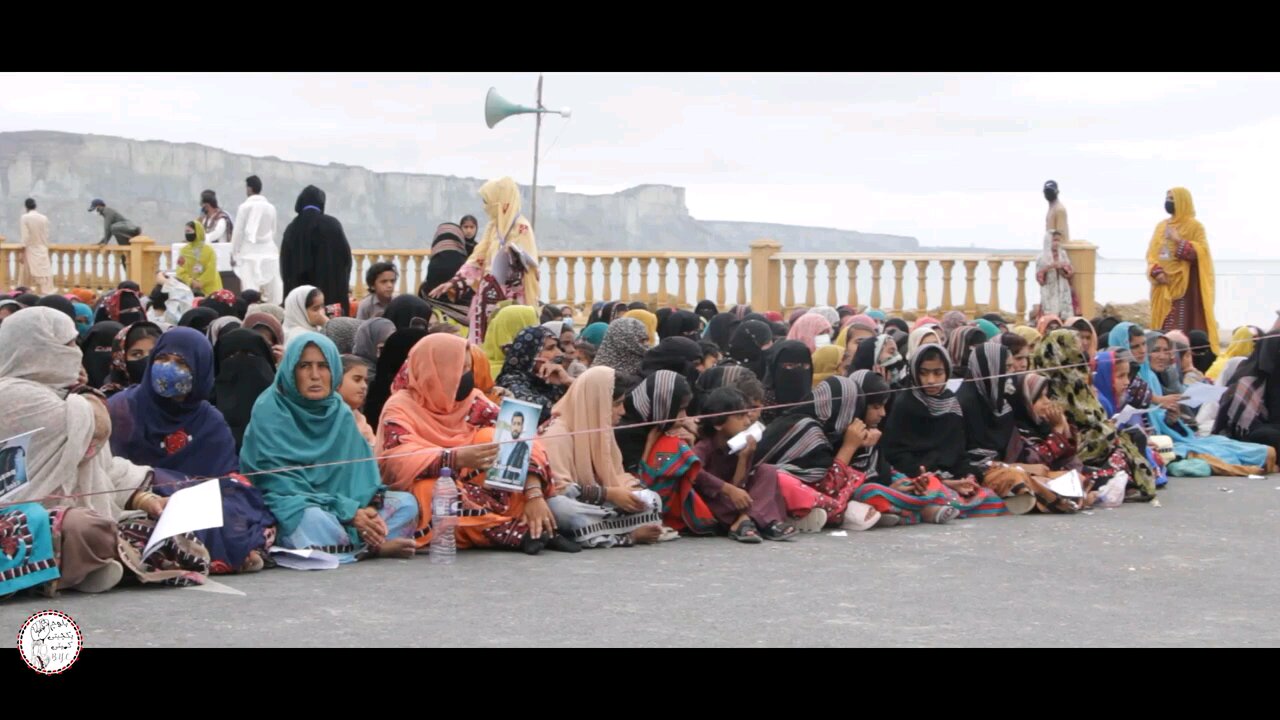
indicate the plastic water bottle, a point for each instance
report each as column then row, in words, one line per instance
column 443, row 546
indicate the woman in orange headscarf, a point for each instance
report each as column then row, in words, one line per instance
column 1180, row 268
column 440, row 420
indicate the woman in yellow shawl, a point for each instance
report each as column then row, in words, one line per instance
column 506, row 324
column 504, row 265
column 1181, row 270
column 1241, row 346
column 198, row 263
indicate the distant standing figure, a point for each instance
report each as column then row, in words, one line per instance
column 254, row 253
column 114, row 224
column 315, row 252
column 1180, row 269
column 217, row 231
column 35, row 250
column 1053, row 267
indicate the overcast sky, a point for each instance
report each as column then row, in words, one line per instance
column 950, row 159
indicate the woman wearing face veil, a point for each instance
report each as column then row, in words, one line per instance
column 1180, row 269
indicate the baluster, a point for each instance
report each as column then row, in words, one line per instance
column 702, row 279
column 720, row 274
column 742, row 280
column 626, row 278
column 851, row 267
column 682, row 293
column 360, row 289
column 947, row 265
column 875, row 282
column 1021, row 266
column 970, row 275
column 606, row 265
column 588, row 282
column 898, row 266
column 571, row 294
column 832, row 266
column 664, row 267
column 644, row 279
column 810, row 268
column 554, row 293
column 994, row 265
column 789, row 272
column 922, row 296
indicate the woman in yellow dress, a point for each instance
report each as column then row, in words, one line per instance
column 1180, row 269
column 503, row 269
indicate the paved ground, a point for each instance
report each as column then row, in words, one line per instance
column 1202, row 568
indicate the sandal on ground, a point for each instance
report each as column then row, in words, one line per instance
column 813, row 522
column 944, row 515
column 888, row 520
column 746, row 533
column 668, row 535
column 779, row 531
column 560, row 543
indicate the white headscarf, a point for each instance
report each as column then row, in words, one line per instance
column 36, row 368
column 295, row 314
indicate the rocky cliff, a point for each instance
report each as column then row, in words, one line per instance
column 158, row 184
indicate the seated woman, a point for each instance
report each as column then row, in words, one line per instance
column 301, row 430
column 990, row 426
column 750, row 502
column 925, row 435
column 1233, row 457
column 1250, row 408
column 130, row 353
column 959, row 343
column 880, row 355
column 816, row 442
column 501, row 332
column 303, row 312
column 1061, row 361
column 101, row 508
column 440, row 410
column 166, row 423
column 826, row 363
column 747, row 346
column 1242, row 342
column 530, row 373
column 808, row 329
column 788, row 378
column 98, row 351
column 678, row 354
column 924, row 335
column 597, row 503
column 245, row 367
column 874, row 395
column 371, row 336
column 624, row 346
column 391, row 361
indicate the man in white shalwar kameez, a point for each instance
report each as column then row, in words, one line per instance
column 35, row 249
column 254, row 253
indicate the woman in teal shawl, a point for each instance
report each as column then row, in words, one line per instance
column 594, row 333
column 1233, row 452
column 297, row 427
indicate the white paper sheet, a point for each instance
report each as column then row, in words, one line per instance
column 194, row 508
column 1200, row 393
column 954, row 384
column 1125, row 416
column 739, row 441
column 1067, row 485
column 306, row 559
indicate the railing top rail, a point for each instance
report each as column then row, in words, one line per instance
column 1012, row 256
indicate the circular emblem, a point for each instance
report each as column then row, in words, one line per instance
column 50, row 642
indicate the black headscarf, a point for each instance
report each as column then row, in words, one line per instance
column 706, row 310
column 394, row 353
column 403, row 309
column 926, row 430
column 314, row 251
column 734, row 376
column 59, row 303
column 595, row 315
column 659, row 398
column 1202, row 354
column 721, row 328
column 1102, row 328
column 680, row 323
column 520, row 376
column 677, row 354
column 864, row 357
column 899, row 324
column 989, row 423
column 30, row 300
column 784, row 386
column 244, row 368
column 199, row 318
column 97, row 351
column 804, row 440
column 448, row 255
column 873, row 390
column 747, row 346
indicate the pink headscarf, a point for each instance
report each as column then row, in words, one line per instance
column 926, row 320
column 809, row 327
